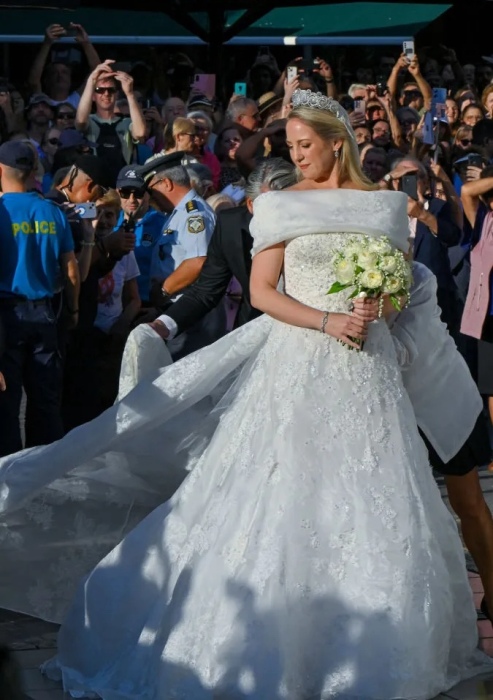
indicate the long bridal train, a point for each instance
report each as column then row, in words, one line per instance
column 307, row 553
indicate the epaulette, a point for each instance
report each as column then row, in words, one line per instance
column 191, row 206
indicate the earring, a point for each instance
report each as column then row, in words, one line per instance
column 336, row 153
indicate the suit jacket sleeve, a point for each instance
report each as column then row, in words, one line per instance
column 208, row 290
column 448, row 232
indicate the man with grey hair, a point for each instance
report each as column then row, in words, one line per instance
column 244, row 112
column 181, row 251
column 357, row 91
column 229, row 255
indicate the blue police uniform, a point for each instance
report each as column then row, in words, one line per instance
column 148, row 232
column 187, row 234
column 34, row 234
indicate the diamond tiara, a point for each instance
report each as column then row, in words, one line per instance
column 315, row 100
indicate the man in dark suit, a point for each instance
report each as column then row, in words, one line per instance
column 228, row 255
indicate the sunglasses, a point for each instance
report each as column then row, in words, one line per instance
column 53, row 142
column 127, row 192
column 66, row 115
column 466, row 142
column 102, row 90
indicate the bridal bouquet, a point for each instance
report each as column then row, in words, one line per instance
column 371, row 267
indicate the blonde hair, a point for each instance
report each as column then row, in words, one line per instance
column 110, row 199
column 328, row 127
column 486, row 92
column 182, row 125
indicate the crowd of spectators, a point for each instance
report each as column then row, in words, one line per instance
column 137, row 248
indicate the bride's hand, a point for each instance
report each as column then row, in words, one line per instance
column 368, row 309
column 365, row 309
column 347, row 328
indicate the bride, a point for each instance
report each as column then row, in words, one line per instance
column 308, row 553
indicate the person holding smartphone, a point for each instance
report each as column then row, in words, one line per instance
column 433, row 230
column 477, row 319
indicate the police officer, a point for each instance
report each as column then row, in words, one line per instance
column 182, row 249
column 37, row 260
column 147, row 224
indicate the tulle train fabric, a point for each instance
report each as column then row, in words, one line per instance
column 308, row 554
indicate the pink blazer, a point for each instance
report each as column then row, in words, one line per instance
column 478, row 295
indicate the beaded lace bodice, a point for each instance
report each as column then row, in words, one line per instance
column 308, row 270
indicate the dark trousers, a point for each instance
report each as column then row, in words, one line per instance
column 31, row 359
column 91, row 375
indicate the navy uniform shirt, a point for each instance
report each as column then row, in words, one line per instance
column 148, row 233
column 187, row 233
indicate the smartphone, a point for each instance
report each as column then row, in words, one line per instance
column 359, row 106
column 148, row 104
column 475, row 160
column 241, row 89
column 409, row 185
column 381, row 89
column 71, row 32
column 206, row 84
column 408, row 49
column 87, row 210
column 292, row 73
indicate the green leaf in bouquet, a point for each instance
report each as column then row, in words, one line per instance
column 354, row 294
column 338, row 287
column 395, row 302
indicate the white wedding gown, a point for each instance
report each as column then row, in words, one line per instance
column 306, row 555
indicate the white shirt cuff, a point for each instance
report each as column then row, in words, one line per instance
column 170, row 325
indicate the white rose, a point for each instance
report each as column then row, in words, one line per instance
column 392, row 285
column 380, row 245
column 371, row 279
column 388, row 263
column 367, row 259
column 352, row 250
column 344, row 272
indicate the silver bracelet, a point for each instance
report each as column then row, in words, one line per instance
column 88, row 244
column 324, row 322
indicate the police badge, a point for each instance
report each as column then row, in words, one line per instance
column 195, row 224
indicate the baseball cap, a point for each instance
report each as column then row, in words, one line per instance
column 38, row 98
column 408, row 112
column 199, row 101
column 95, row 168
column 71, row 137
column 18, row 155
column 129, row 177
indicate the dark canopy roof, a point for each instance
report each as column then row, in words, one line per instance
column 213, row 21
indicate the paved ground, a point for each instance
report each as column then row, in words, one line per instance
column 34, row 641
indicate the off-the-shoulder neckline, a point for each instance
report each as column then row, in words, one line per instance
column 291, row 193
